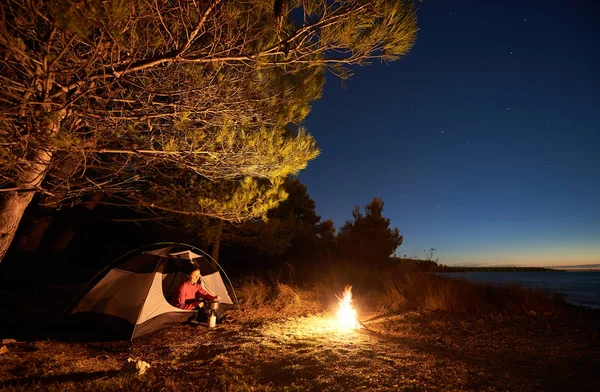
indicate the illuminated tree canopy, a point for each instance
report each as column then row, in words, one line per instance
column 177, row 106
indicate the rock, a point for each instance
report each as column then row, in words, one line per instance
column 3, row 350
column 135, row 366
column 8, row 341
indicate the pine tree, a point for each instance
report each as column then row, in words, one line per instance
column 368, row 238
column 172, row 106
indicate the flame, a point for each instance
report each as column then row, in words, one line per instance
column 346, row 315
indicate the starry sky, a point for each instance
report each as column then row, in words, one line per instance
column 483, row 141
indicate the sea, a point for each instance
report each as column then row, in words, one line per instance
column 579, row 288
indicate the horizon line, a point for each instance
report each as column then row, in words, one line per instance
column 567, row 266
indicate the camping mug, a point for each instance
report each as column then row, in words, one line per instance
column 213, row 305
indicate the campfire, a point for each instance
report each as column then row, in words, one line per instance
column 346, row 315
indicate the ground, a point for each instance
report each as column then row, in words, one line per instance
column 270, row 351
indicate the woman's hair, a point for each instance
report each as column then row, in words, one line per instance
column 192, row 270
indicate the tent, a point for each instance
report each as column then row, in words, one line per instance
column 131, row 296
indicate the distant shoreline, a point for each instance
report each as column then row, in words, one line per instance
column 445, row 268
column 523, row 269
column 578, row 270
column 579, row 287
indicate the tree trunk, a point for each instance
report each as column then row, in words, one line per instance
column 217, row 241
column 14, row 203
column 12, row 207
column 32, row 233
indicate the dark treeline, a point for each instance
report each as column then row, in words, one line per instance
column 444, row 268
column 291, row 240
column 291, row 243
column 433, row 266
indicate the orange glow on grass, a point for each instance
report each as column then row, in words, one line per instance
column 346, row 315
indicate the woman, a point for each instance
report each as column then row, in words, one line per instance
column 190, row 293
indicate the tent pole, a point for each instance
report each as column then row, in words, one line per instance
column 166, row 254
column 237, row 302
column 85, row 288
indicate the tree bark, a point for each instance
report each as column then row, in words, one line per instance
column 14, row 203
column 217, row 241
column 32, row 232
column 12, row 207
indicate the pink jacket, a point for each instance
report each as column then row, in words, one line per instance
column 188, row 293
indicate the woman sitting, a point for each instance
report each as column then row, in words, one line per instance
column 190, row 294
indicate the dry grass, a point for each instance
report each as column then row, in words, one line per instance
column 107, row 383
column 393, row 297
column 259, row 300
column 253, row 292
column 56, row 366
column 424, row 332
column 434, row 292
column 399, row 290
column 287, row 297
column 414, row 350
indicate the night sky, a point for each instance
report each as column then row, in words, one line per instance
column 483, row 141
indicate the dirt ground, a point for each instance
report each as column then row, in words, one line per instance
column 268, row 351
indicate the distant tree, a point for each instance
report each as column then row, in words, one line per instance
column 172, row 106
column 413, row 264
column 368, row 238
column 430, row 254
column 295, row 219
column 326, row 234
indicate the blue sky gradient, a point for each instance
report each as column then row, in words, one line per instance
column 484, row 141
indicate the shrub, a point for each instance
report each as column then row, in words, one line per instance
column 393, row 297
column 434, row 292
column 253, row 292
column 287, row 297
column 397, row 290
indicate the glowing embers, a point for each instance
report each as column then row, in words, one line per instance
column 346, row 315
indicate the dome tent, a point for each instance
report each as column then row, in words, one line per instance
column 131, row 296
